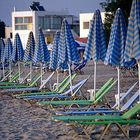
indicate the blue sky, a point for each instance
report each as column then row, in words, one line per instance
column 73, row 6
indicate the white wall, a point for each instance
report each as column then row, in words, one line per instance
column 8, row 30
column 22, row 33
column 34, row 14
column 87, row 17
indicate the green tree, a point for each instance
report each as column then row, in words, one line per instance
column 110, row 7
column 2, row 29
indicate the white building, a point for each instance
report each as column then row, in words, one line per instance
column 8, row 32
column 25, row 21
column 85, row 19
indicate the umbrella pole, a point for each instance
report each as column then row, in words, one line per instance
column 57, row 78
column 31, row 71
column 3, row 70
column 94, row 90
column 41, row 72
column 19, row 70
column 10, row 70
column 139, row 78
column 118, row 96
column 70, row 79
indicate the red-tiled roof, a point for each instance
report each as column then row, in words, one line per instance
column 84, row 40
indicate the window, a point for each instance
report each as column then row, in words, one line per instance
column 18, row 19
column 23, row 23
column 47, row 22
column 50, row 22
column 27, row 19
column 57, row 21
column 85, row 25
column 20, row 27
column 41, row 22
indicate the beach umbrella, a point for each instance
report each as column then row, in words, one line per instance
column 7, row 54
column 96, row 44
column 29, row 51
column 41, row 54
column 17, row 53
column 67, row 49
column 2, row 46
column 116, row 47
column 54, row 52
column 132, row 48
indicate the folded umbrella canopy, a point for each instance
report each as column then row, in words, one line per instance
column 132, row 48
column 2, row 46
column 17, row 53
column 96, row 44
column 7, row 54
column 54, row 53
column 67, row 48
column 29, row 51
column 115, row 51
column 41, row 54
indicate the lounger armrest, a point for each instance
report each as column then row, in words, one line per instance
column 91, row 91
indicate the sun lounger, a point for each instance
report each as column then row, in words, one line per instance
column 26, row 88
column 92, row 111
column 130, row 101
column 74, row 88
column 13, row 79
column 104, row 89
column 127, row 118
column 124, row 95
column 62, row 86
column 25, row 78
column 127, row 115
column 7, row 74
column 45, row 81
column 103, row 110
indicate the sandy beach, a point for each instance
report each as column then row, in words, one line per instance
column 20, row 120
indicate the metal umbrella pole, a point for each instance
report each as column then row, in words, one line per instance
column 96, row 45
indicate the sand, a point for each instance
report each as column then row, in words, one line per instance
column 20, row 120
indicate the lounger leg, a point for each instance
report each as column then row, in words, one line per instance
column 84, row 130
column 85, row 127
column 104, row 131
column 127, row 129
column 86, row 133
column 120, row 127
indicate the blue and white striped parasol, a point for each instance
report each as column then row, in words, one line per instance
column 67, row 50
column 54, row 52
column 2, row 46
column 41, row 54
column 7, row 51
column 96, row 44
column 18, row 52
column 132, row 48
column 7, row 54
column 54, row 56
column 29, row 51
column 30, row 48
column 116, row 47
